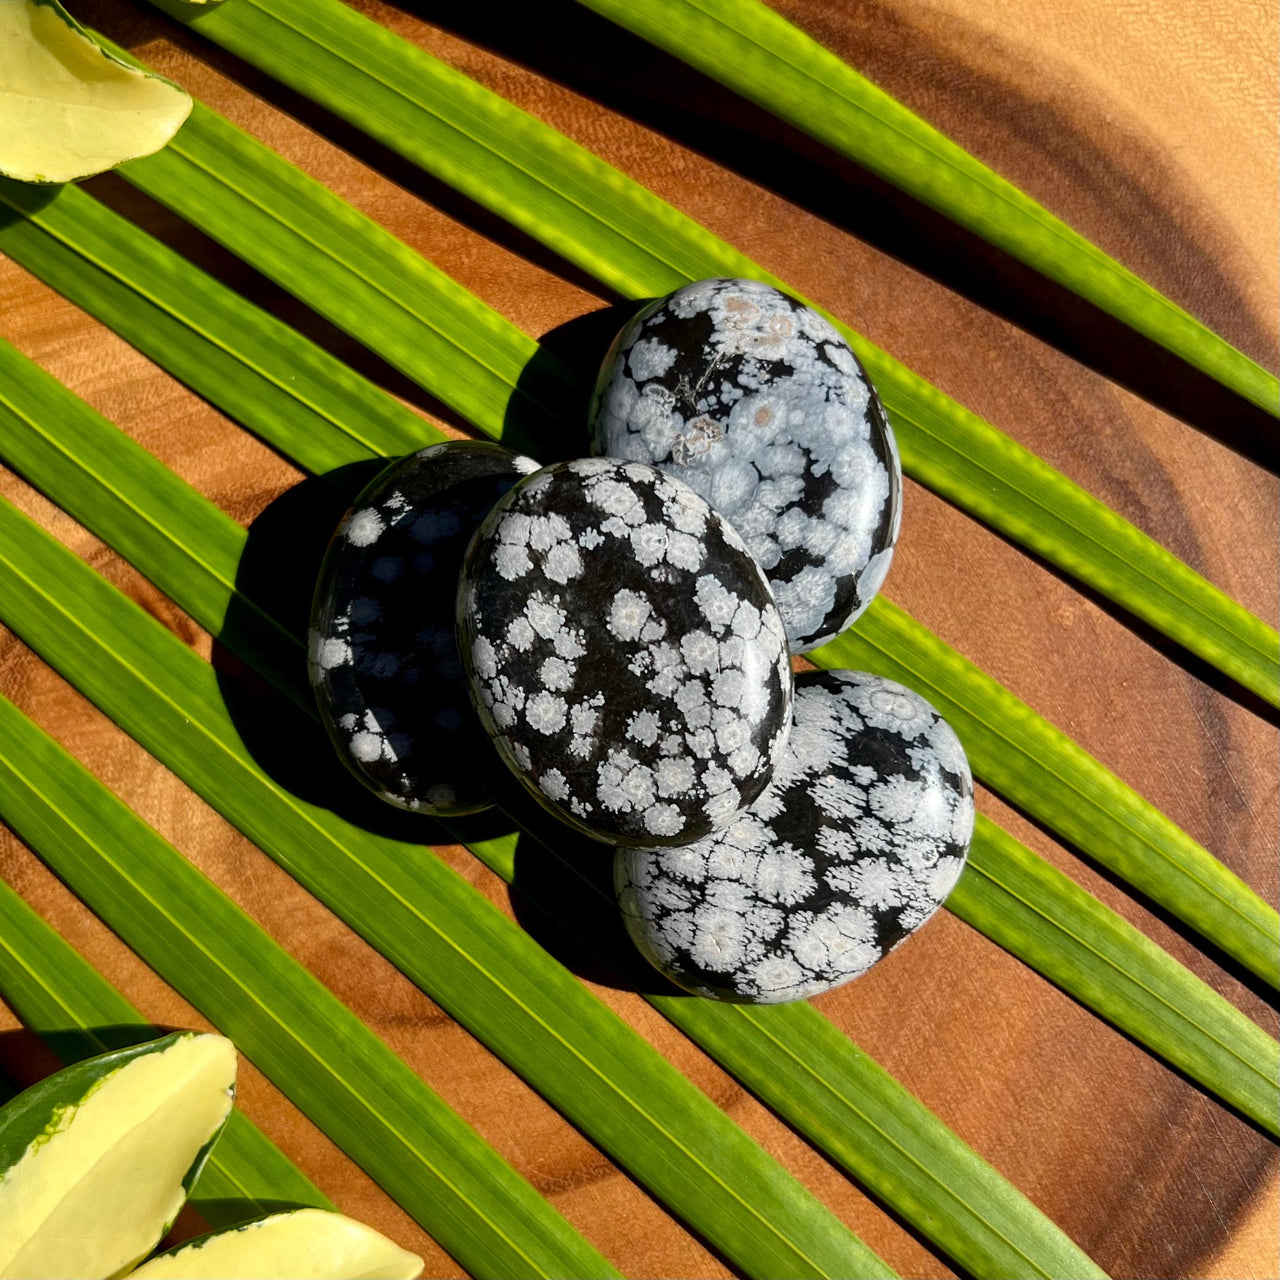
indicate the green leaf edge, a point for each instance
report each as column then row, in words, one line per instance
column 757, row 53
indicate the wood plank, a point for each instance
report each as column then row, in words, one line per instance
column 1148, row 126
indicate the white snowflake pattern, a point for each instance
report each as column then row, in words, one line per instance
column 628, row 614
column 783, row 405
column 820, row 904
column 554, row 784
column 545, row 712
column 365, row 527
column 650, row 358
column 889, row 706
column 698, row 739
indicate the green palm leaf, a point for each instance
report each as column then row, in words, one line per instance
column 861, row 1118
column 639, row 246
column 63, row 999
column 255, row 367
column 1110, row 966
column 1217, row 1044
column 756, row 52
column 989, row 1228
column 212, row 953
column 294, row 230
column 298, row 1034
column 438, row 930
column 1021, row 755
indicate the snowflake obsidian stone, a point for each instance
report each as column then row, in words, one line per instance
column 625, row 652
column 856, row 842
column 383, row 655
column 757, row 403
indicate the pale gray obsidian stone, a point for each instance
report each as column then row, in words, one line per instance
column 855, row 843
column 758, row 404
column 625, row 652
column 383, row 654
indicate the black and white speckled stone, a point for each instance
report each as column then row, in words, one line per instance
column 861, row 835
column 625, row 652
column 759, row 405
column 383, row 654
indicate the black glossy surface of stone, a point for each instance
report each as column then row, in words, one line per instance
column 383, row 655
column 759, row 405
column 861, row 835
column 625, row 652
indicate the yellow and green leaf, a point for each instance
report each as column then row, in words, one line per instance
column 78, row 1014
column 301, row 1244
column 68, row 107
column 96, row 1160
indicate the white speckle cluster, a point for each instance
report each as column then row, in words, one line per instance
column 625, row 652
column 757, row 403
column 854, row 844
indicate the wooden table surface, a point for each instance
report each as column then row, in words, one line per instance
column 1148, row 125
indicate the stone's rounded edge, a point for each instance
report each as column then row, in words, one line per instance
column 626, row 864
column 468, row 463
column 757, row 402
column 465, row 632
column 881, row 424
column 873, row 576
column 623, row 338
column 598, row 613
column 858, row 840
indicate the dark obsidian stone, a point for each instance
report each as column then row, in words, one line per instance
column 860, row 836
column 759, row 405
column 383, row 656
column 625, row 652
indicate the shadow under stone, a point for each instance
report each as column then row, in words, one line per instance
column 562, row 375
column 276, row 579
column 579, row 924
column 563, row 897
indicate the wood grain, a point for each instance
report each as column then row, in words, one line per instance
column 1148, row 126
